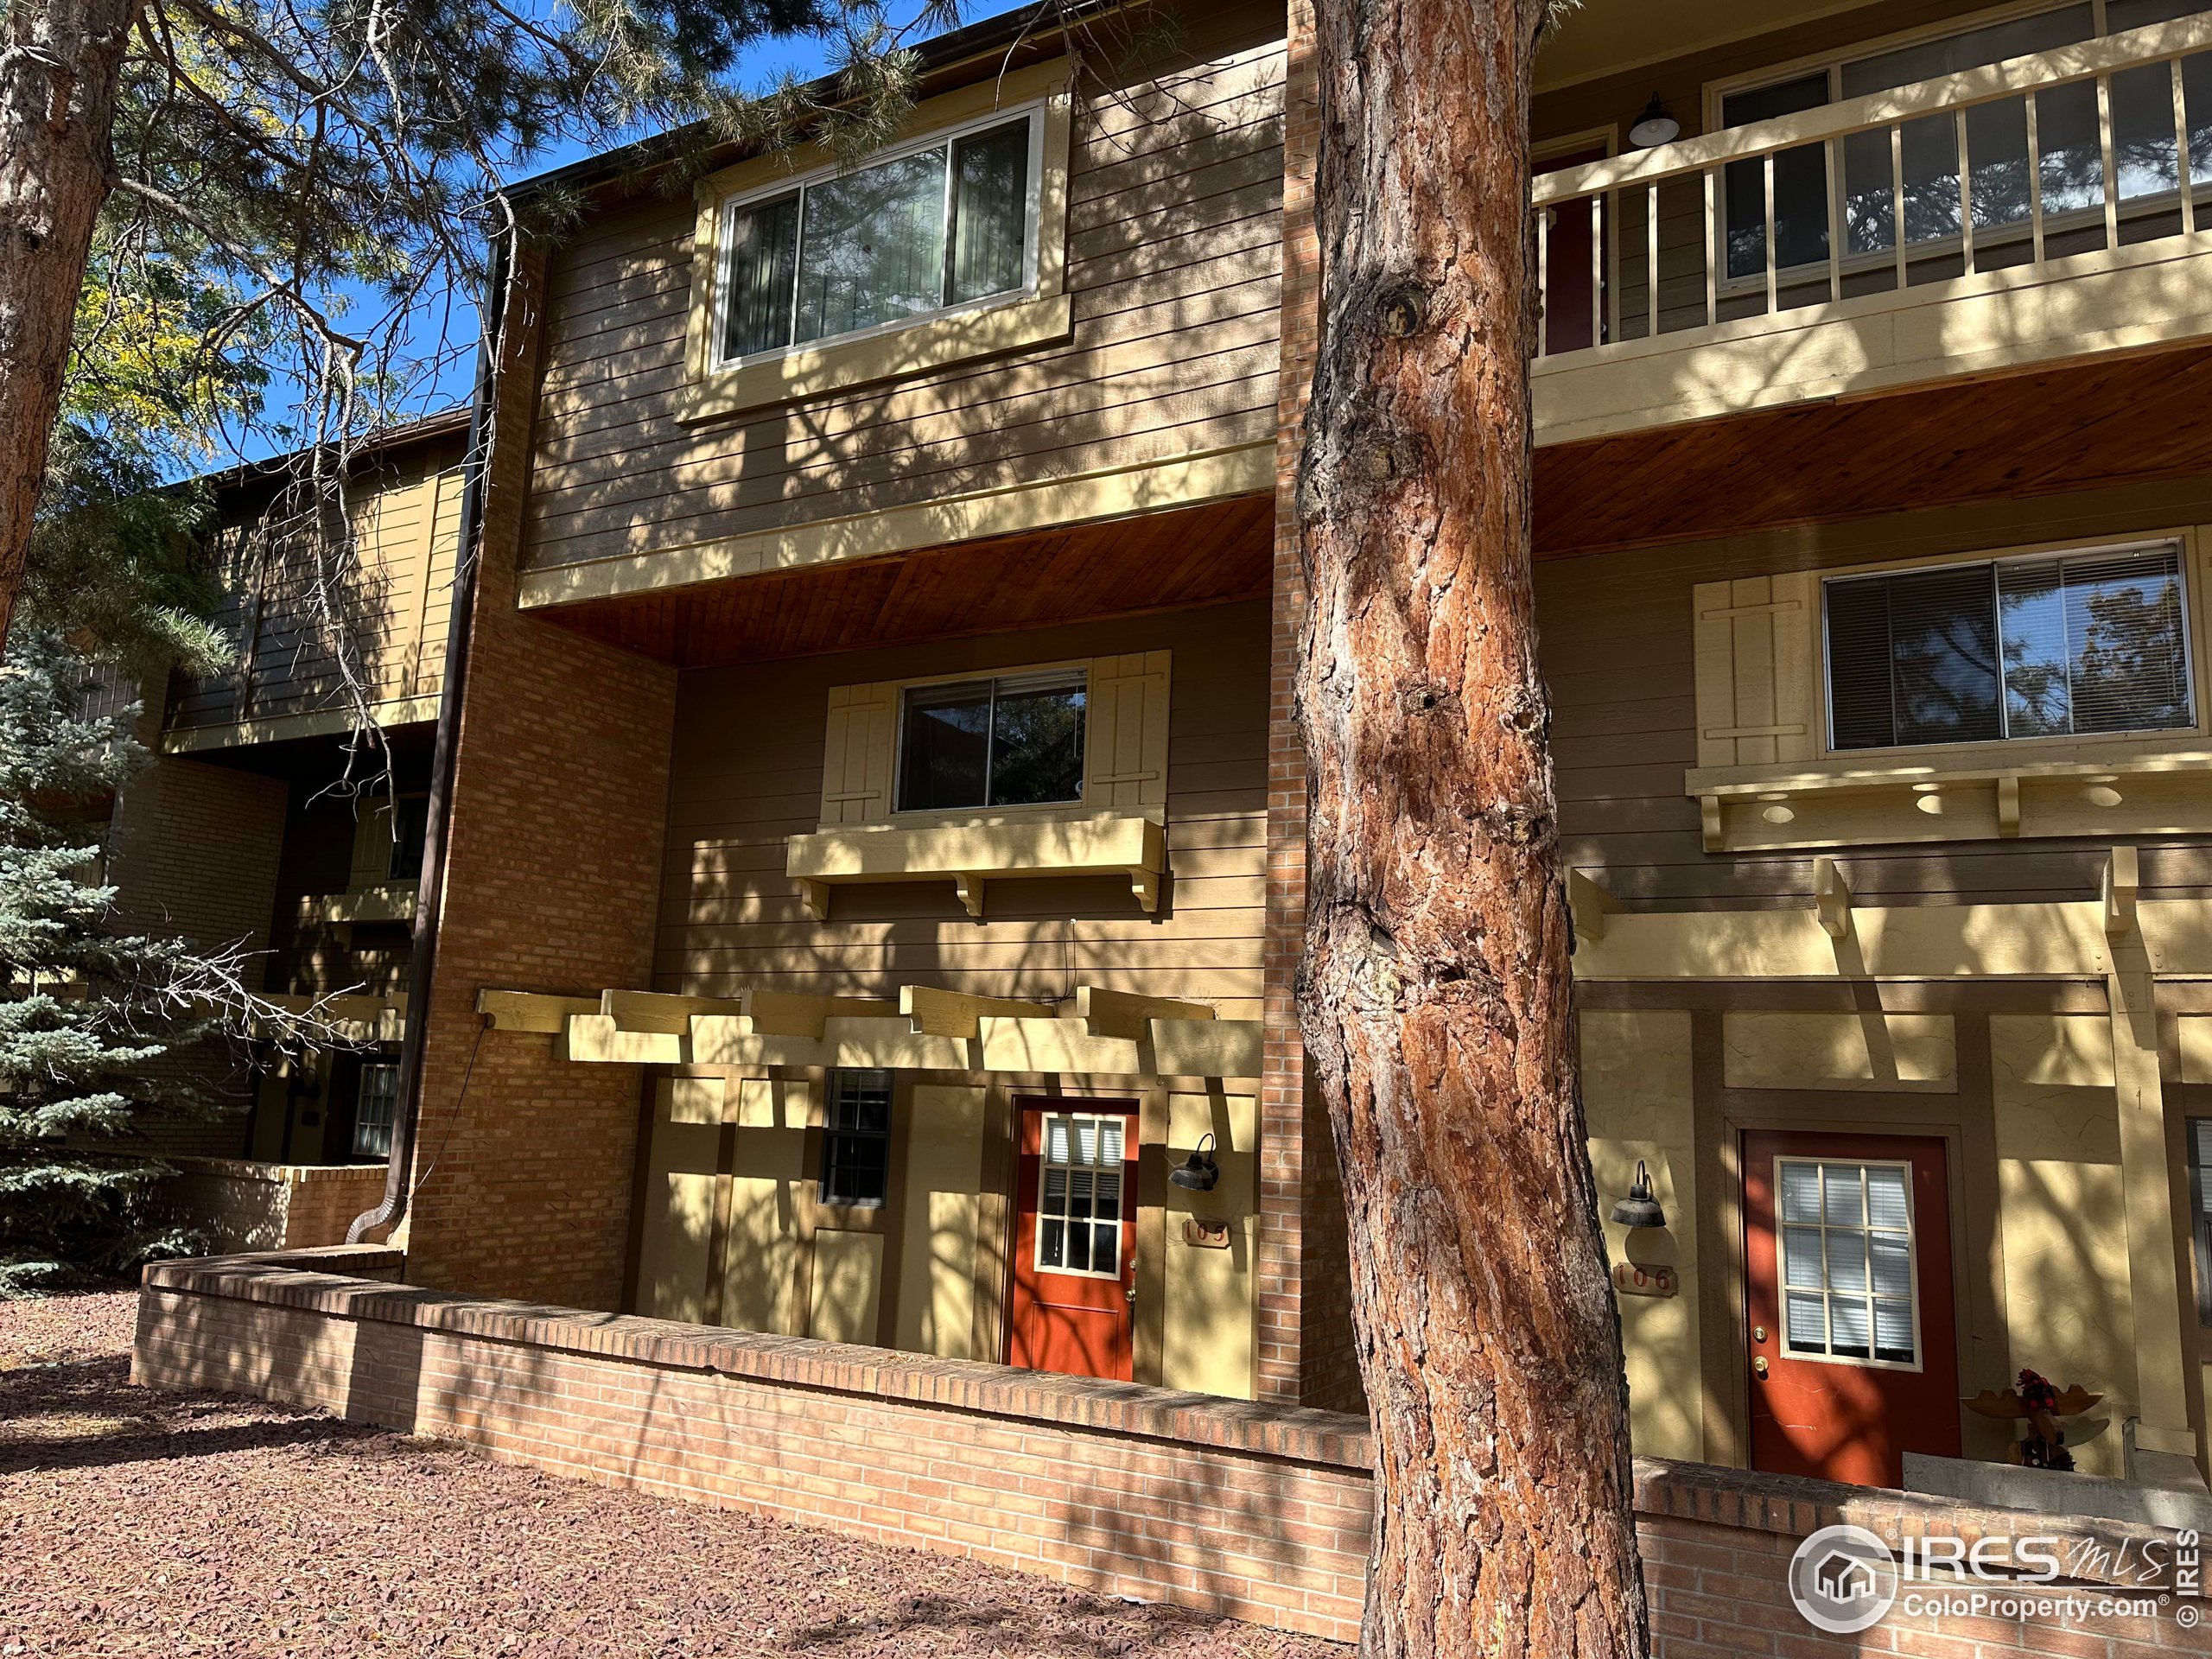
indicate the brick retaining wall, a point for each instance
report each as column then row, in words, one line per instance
column 1259, row 1511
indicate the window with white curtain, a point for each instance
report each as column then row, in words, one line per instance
column 2094, row 643
column 944, row 224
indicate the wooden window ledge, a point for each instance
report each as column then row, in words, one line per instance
column 1982, row 793
column 969, row 855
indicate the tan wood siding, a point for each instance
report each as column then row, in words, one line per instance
column 1620, row 651
column 393, row 610
column 1173, row 264
column 750, row 753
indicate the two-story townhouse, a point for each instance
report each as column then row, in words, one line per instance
column 872, row 884
column 249, row 826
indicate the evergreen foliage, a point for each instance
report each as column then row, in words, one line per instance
column 85, row 1004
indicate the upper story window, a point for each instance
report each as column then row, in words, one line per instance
column 2069, row 150
column 1016, row 740
column 2092, row 642
column 945, row 224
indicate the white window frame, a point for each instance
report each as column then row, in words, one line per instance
column 1032, row 110
column 2185, row 560
column 1782, row 1268
column 1120, row 1170
column 1080, row 668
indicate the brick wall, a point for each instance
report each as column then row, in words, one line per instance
column 551, row 884
column 193, row 853
column 241, row 1205
column 1259, row 1511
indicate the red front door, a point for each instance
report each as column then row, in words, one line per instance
column 1075, row 1239
column 1854, row 1349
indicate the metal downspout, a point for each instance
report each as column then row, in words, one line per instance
column 430, row 893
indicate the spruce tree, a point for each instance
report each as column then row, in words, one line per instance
column 84, row 1004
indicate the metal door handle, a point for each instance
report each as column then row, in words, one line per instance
column 1129, row 1290
column 1759, row 1333
column 1758, row 1365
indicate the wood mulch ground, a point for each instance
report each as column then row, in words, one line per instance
column 133, row 1522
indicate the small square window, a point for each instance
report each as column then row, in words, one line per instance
column 1016, row 740
column 857, row 1139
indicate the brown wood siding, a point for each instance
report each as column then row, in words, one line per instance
column 748, row 772
column 1617, row 649
column 407, row 513
column 1175, row 194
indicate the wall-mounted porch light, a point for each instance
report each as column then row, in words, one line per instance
column 1654, row 126
column 1639, row 1208
column 1198, row 1171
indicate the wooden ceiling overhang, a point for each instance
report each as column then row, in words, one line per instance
column 2096, row 421
column 1156, row 562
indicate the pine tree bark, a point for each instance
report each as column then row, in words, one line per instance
column 61, row 61
column 1434, row 996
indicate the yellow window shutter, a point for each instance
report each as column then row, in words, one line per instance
column 1757, row 692
column 856, row 758
column 1125, row 764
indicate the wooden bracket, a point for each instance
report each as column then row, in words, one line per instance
column 1708, row 813
column 1588, row 903
column 815, row 895
column 1831, row 897
column 2008, row 807
column 2120, row 879
column 1146, row 884
column 970, row 886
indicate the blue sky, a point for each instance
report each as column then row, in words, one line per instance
column 448, row 326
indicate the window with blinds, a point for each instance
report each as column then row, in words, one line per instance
column 1845, row 1260
column 928, row 229
column 2088, row 644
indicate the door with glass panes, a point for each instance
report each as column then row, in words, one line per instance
column 1075, row 1239
column 1853, row 1347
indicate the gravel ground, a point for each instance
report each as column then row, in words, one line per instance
column 133, row 1522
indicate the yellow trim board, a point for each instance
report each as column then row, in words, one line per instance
column 969, row 855
column 1113, row 492
column 2149, row 296
column 319, row 723
column 2038, row 940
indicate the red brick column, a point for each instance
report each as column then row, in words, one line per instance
column 1290, row 1152
column 522, row 1187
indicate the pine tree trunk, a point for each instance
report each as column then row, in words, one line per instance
column 60, row 62
column 1434, row 994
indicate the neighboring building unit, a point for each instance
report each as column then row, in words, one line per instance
column 244, row 827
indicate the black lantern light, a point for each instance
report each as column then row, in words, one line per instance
column 1198, row 1171
column 1639, row 1208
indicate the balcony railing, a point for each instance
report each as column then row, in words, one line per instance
column 2089, row 149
